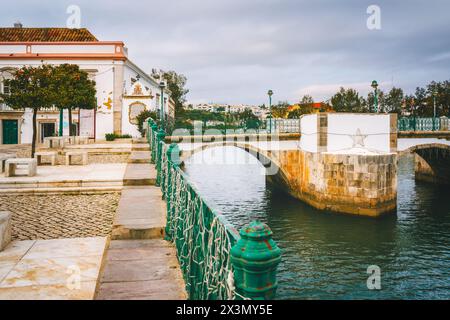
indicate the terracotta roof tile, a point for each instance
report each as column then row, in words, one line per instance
column 45, row 35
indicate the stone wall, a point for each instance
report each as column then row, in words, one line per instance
column 347, row 183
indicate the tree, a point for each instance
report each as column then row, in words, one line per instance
column 248, row 119
column 74, row 89
column 31, row 88
column 280, row 110
column 348, row 101
column 394, row 101
column 439, row 92
column 305, row 106
column 176, row 84
column 420, row 102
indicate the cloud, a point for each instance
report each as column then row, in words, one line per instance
column 322, row 92
column 233, row 51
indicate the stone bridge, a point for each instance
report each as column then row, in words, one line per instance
column 432, row 162
column 346, row 183
column 342, row 163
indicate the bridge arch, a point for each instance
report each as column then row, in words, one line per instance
column 432, row 162
column 274, row 171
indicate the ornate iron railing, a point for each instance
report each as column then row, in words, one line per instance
column 422, row 124
column 211, row 253
column 284, row 125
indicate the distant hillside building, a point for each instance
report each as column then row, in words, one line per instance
column 123, row 89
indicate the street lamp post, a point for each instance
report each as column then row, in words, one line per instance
column 434, row 109
column 270, row 94
column 375, row 88
column 162, row 86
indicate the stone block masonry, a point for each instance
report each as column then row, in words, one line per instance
column 347, row 183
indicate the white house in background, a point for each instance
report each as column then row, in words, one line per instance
column 123, row 89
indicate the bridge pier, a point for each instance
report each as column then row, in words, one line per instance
column 346, row 183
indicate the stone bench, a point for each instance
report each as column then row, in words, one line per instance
column 71, row 154
column 83, row 140
column 55, row 142
column 3, row 159
column 11, row 166
column 51, row 154
column 5, row 229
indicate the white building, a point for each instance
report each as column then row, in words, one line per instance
column 123, row 89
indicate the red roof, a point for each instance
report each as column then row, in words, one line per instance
column 46, row 35
column 317, row 105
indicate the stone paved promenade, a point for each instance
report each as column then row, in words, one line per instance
column 63, row 269
column 60, row 216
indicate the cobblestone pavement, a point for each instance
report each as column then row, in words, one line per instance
column 60, row 216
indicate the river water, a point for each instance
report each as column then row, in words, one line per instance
column 326, row 255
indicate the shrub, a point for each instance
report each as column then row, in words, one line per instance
column 144, row 115
column 110, row 137
column 113, row 136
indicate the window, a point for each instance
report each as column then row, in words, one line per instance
column 5, row 88
column 4, row 75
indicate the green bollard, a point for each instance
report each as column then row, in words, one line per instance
column 255, row 258
column 159, row 137
column 173, row 154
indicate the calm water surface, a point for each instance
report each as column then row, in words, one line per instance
column 326, row 255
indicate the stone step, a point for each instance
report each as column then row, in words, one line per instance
column 139, row 140
column 141, row 270
column 8, row 186
column 140, row 157
column 140, row 147
column 141, row 214
column 137, row 174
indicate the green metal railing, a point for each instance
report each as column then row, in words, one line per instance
column 419, row 124
column 217, row 262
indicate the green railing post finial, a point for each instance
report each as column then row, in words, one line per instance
column 255, row 258
column 173, row 154
column 159, row 137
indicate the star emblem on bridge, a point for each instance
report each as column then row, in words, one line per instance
column 358, row 139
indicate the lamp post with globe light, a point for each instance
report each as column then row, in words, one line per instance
column 270, row 94
column 375, row 94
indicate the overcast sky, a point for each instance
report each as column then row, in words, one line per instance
column 233, row 51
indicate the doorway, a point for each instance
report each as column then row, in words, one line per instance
column 48, row 129
column 10, row 131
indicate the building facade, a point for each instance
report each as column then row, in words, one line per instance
column 123, row 89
